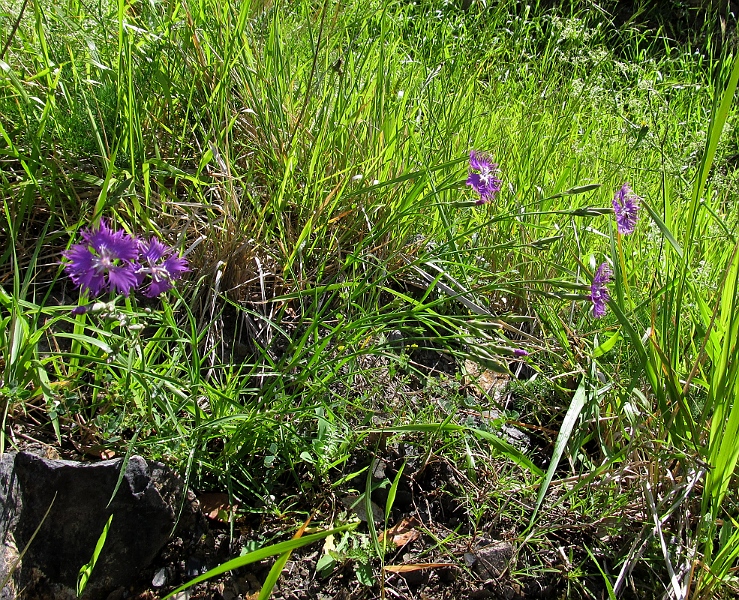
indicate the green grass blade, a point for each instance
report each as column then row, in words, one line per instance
column 86, row 570
column 276, row 570
column 12, row 567
column 261, row 554
column 367, row 500
column 393, row 492
column 719, row 116
column 606, row 579
column 568, row 424
column 498, row 443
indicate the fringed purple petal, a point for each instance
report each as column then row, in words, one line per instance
column 104, row 261
column 175, row 266
column 483, row 177
column 157, row 287
column 122, row 279
column 161, row 266
column 626, row 209
column 476, row 182
column 481, row 162
column 153, row 250
column 599, row 295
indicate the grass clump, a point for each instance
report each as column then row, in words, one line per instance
column 349, row 298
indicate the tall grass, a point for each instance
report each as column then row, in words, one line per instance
column 310, row 159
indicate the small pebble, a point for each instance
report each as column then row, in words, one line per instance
column 160, row 578
column 194, row 567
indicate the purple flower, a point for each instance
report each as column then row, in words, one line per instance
column 519, row 353
column 104, row 261
column 626, row 208
column 161, row 265
column 598, row 292
column 484, row 181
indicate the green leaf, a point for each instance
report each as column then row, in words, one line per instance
column 393, row 491
column 261, row 554
column 363, row 570
column 327, row 563
column 607, row 346
column 578, row 189
column 86, row 339
column 86, row 570
column 576, row 406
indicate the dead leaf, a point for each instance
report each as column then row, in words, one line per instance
column 489, row 382
column 401, row 533
column 380, row 438
column 299, row 533
column 410, row 567
column 214, row 505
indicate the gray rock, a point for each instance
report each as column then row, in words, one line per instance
column 396, row 339
column 78, row 499
column 160, row 578
column 492, row 560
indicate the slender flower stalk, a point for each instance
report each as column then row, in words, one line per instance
column 161, row 265
column 626, row 209
column 105, row 260
column 483, row 177
column 599, row 295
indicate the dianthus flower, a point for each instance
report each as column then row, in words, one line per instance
column 626, row 208
column 105, row 260
column 161, row 265
column 598, row 292
column 484, row 181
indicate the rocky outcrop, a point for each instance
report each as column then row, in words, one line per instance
column 52, row 513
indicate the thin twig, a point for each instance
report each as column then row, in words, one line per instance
column 640, row 544
column 679, row 594
column 14, row 30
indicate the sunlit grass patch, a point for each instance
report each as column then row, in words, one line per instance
column 400, row 226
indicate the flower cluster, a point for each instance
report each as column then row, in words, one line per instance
column 483, row 177
column 161, row 265
column 598, row 292
column 626, row 209
column 118, row 262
